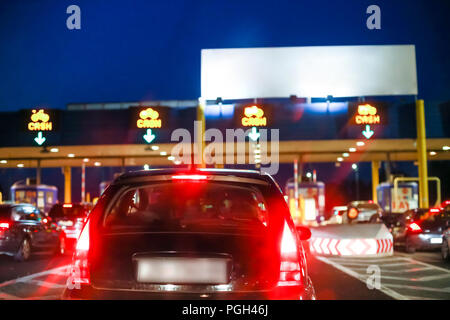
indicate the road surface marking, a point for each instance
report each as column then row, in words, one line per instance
column 412, row 275
column 32, row 276
column 356, row 275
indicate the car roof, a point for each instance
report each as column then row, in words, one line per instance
column 252, row 174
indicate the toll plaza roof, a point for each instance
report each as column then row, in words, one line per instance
column 318, row 131
column 138, row 154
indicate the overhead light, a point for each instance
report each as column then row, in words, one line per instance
column 86, row 160
column 354, row 166
column 360, row 143
column 257, row 156
column 345, row 154
column 257, row 160
column 146, row 167
column 71, row 155
column 163, row 153
column 445, row 148
column 177, row 162
column 20, row 165
column 97, row 164
column 308, row 174
column 54, row 150
column 352, row 149
column 340, row 159
column 433, row 153
column 3, row 161
column 170, row 158
column 154, row 148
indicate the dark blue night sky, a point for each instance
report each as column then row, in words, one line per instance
column 150, row 50
column 142, row 50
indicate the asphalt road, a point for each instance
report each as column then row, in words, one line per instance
column 419, row 276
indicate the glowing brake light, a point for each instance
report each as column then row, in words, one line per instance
column 288, row 242
column 4, row 225
column 414, row 227
column 83, row 240
column 434, row 210
column 189, row 177
column 80, row 273
column 290, row 270
column 67, row 205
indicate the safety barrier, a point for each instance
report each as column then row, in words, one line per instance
column 352, row 240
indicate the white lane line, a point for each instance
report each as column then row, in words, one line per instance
column 402, row 286
column 356, row 275
column 45, row 284
column 429, row 265
column 31, row 276
column 395, row 271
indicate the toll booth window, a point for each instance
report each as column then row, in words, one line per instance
column 49, row 197
column 184, row 205
column 20, row 195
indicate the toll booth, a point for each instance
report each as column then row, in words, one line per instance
column 407, row 196
column 41, row 195
column 311, row 201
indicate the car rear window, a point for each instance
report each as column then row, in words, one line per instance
column 5, row 212
column 372, row 206
column 174, row 206
column 75, row 211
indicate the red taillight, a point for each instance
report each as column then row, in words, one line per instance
column 414, row 227
column 290, row 270
column 67, row 205
column 434, row 210
column 189, row 177
column 4, row 225
column 80, row 265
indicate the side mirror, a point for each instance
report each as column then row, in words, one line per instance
column 303, row 232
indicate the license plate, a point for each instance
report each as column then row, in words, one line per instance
column 178, row 270
column 436, row 240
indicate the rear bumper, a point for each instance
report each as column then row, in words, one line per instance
column 423, row 240
column 279, row 293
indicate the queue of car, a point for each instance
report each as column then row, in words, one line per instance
column 25, row 230
column 415, row 229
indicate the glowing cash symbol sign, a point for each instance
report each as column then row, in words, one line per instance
column 254, row 117
column 40, row 121
column 367, row 114
column 149, row 119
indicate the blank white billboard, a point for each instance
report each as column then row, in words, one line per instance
column 340, row 71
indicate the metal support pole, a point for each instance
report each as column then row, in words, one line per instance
column 422, row 154
column 67, row 184
column 375, row 179
column 387, row 167
column 200, row 143
column 38, row 172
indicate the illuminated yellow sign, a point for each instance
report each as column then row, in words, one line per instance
column 40, row 121
column 254, row 117
column 148, row 119
column 367, row 114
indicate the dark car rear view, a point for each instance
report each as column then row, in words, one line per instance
column 420, row 229
column 70, row 217
column 212, row 234
column 24, row 230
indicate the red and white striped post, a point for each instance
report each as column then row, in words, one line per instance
column 83, row 182
column 296, row 183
